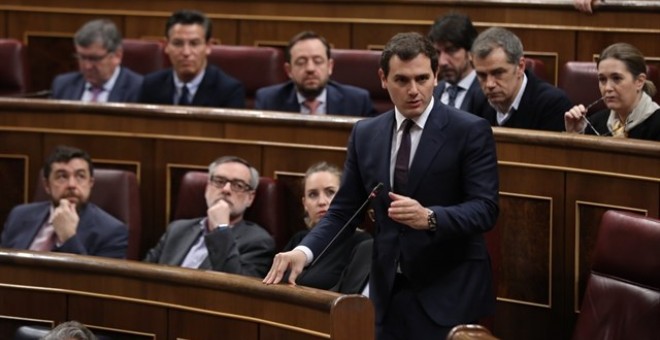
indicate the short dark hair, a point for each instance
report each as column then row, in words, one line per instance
column 189, row 17
column 102, row 31
column 305, row 35
column 63, row 154
column 407, row 46
column 455, row 28
column 254, row 174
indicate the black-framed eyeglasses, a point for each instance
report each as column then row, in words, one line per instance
column 90, row 58
column 236, row 185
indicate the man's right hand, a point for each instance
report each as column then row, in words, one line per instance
column 291, row 260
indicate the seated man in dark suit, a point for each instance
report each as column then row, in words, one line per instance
column 101, row 77
column 310, row 90
column 191, row 80
column 517, row 98
column 221, row 240
column 68, row 223
column 452, row 35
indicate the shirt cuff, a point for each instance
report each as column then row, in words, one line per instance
column 307, row 252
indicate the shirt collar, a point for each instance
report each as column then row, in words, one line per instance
column 466, row 82
column 108, row 85
column 419, row 121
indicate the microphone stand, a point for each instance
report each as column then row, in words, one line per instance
column 371, row 196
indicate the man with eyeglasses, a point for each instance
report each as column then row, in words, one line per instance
column 191, row 80
column 68, row 223
column 310, row 91
column 100, row 78
column 222, row 240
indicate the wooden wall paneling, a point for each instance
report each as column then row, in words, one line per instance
column 531, row 251
column 254, row 31
column 20, row 307
column 588, row 196
column 550, row 62
column 593, row 42
column 368, row 35
column 267, row 332
column 122, row 320
column 548, row 41
column 293, row 192
column 145, row 27
column 13, row 170
column 190, row 325
column 321, row 134
column 3, row 23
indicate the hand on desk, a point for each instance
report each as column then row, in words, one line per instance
column 293, row 260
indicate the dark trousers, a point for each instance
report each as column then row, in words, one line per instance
column 406, row 319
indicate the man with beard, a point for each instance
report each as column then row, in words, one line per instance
column 68, row 223
column 100, row 78
column 221, row 240
column 310, row 90
column 191, row 80
column 453, row 35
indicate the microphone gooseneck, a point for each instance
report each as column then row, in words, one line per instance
column 374, row 192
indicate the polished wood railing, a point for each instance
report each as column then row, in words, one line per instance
column 553, row 186
column 136, row 300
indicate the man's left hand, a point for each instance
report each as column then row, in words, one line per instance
column 408, row 211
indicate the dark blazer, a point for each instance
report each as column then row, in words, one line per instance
column 649, row 129
column 326, row 272
column 355, row 276
column 70, row 86
column 542, row 107
column 342, row 99
column 454, row 173
column 245, row 248
column 474, row 102
column 217, row 89
column 98, row 233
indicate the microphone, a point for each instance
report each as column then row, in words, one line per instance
column 374, row 192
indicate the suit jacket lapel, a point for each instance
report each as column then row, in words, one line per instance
column 291, row 101
column 188, row 238
column 334, row 101
column 206, row 88
column 32, row 225
column 432, row 140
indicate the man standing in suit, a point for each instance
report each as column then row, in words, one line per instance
column 100, row 78
column 310, row 90
column 453, row 35
column 431, row 269
column 68, row 223
column 222, row 240
column 191, row 80
column 517, row 98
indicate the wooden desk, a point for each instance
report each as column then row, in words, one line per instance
column 146, row 301
column 553, row 186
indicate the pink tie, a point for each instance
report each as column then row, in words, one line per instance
column 45, row 239
column 312, row 105
column 96, row 91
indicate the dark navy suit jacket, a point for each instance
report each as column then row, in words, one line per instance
column 474, row 102
column 98, row 233
column 342, row 99
column 217, row 89
column 542, row 107
column 454, row 173
column 70, row 86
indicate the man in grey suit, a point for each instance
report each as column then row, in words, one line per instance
column 100, row 78
column 221, row 240
column 453, row 35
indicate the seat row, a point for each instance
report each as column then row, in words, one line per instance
column 117, row 192
column 258, row 66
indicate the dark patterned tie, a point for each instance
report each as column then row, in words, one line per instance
column 183, row 99
column 402, row 159
column 453, row 90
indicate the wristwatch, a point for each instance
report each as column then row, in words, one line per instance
column 433, row 222
column 222, row 225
